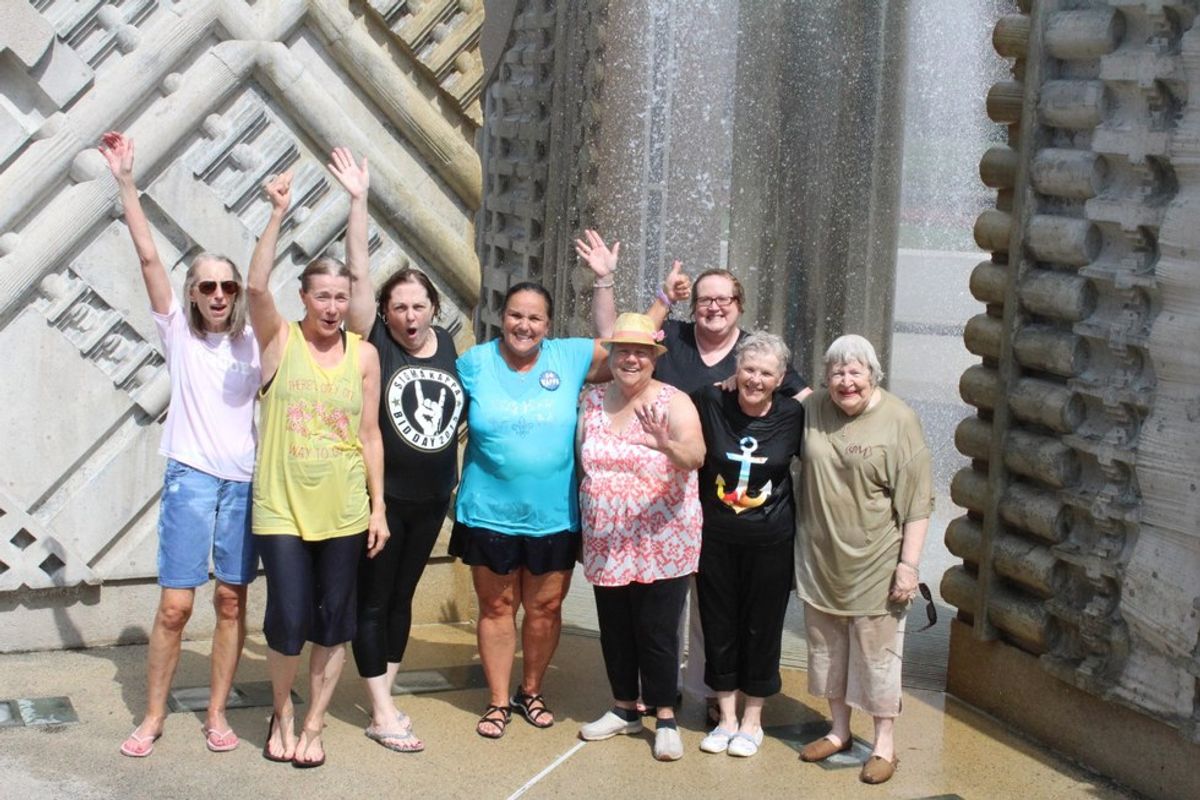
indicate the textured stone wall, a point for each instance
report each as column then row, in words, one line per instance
column 537, row 106
column 760, row 136
column 218, row 95
column 1081, row 544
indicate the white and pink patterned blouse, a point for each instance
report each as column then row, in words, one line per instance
column 640, row 513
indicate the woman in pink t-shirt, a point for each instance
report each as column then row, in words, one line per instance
column 208, row 439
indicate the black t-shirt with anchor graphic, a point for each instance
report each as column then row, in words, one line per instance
column 420, row 405
column 745, row 482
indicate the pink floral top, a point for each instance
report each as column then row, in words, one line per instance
column 640, row 513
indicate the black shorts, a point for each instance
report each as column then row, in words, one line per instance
column 504, row 552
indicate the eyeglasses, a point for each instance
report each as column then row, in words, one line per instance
column 721, row 301
column 227, row 287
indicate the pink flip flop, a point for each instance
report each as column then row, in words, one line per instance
column 220, row 741
column 139, row 746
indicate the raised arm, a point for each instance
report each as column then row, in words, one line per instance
column 603, row 262
column 117, row 150
column 599, row 371
column 372, row 444
column 356, row 180
column 677, row 433
column 676, row 287
column 269, row 327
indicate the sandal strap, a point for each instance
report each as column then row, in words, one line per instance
column 527, row 700
column 505, row 711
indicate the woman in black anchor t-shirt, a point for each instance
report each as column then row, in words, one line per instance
column 758, row 450
column 745, row 573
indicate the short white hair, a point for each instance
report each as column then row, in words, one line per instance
column 853, row 347
column 762, row 342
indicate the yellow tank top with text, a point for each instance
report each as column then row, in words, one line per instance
column 310, row 480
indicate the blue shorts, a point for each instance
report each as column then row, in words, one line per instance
column 202, row 516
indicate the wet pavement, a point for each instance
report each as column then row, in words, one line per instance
column 946, row 749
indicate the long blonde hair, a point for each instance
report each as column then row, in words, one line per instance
column 238, row 313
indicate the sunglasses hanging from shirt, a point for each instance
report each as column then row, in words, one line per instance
column 930, row 608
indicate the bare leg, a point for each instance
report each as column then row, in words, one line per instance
column 885, row 743
column 752, row 715
column 839, row 711
column 229, row 603
column 727, row 702
column 162, row 656
column 383, row 707
column 324, row 668
column 542, row 597
column 281, row 743
column 499, row 596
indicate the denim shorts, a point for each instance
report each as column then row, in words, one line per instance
column 202, row 517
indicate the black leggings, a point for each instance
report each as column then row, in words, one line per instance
column 387, row 583
column 639, row 636
column 310, row 590
column 743, row 594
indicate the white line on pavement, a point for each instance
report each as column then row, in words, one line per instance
column 553, row 765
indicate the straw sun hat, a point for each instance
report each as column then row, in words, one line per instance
column 632, row 328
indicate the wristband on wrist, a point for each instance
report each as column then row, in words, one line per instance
column 662, row 297
column 609, row 285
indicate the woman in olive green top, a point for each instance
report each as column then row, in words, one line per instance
column 866, row 497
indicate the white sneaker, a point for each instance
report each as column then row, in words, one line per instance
column 717, row 740
column 745, row 745
column 667, row 744
column 607, row 727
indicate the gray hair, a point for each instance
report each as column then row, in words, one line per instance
column 764, row 343
column 853, row 347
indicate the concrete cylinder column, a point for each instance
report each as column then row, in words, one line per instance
column 817, row 140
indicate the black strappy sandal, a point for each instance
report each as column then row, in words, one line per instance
column 533, row 708
column 500, row 723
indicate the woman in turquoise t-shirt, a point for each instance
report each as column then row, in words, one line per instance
column 517, row 514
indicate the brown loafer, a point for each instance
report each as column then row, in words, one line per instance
column 878, row 770
column 823, row 748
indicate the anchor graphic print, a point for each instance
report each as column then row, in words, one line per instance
column 740, row 498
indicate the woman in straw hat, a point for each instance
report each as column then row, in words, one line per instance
column 639, row 447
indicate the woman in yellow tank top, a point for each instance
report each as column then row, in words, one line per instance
column 318, row 482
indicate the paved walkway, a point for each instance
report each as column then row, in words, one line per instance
column 947, row 750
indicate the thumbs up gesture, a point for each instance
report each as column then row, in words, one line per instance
column 677, row 285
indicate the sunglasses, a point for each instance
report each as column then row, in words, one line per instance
column 227, row 287
column 930, row 608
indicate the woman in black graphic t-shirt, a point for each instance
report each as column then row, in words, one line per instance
column 420, row 404
column 745, row 569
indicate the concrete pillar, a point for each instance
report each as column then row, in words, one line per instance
column 663, row 149
column 818, row 119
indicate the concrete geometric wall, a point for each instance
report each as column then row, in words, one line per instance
column 218, row 94
column 537, row 106
column 1082, row 542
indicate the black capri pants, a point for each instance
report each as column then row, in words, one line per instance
column 310, row 590
column 388, row 582
column 743, row 594
column 639, row 636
